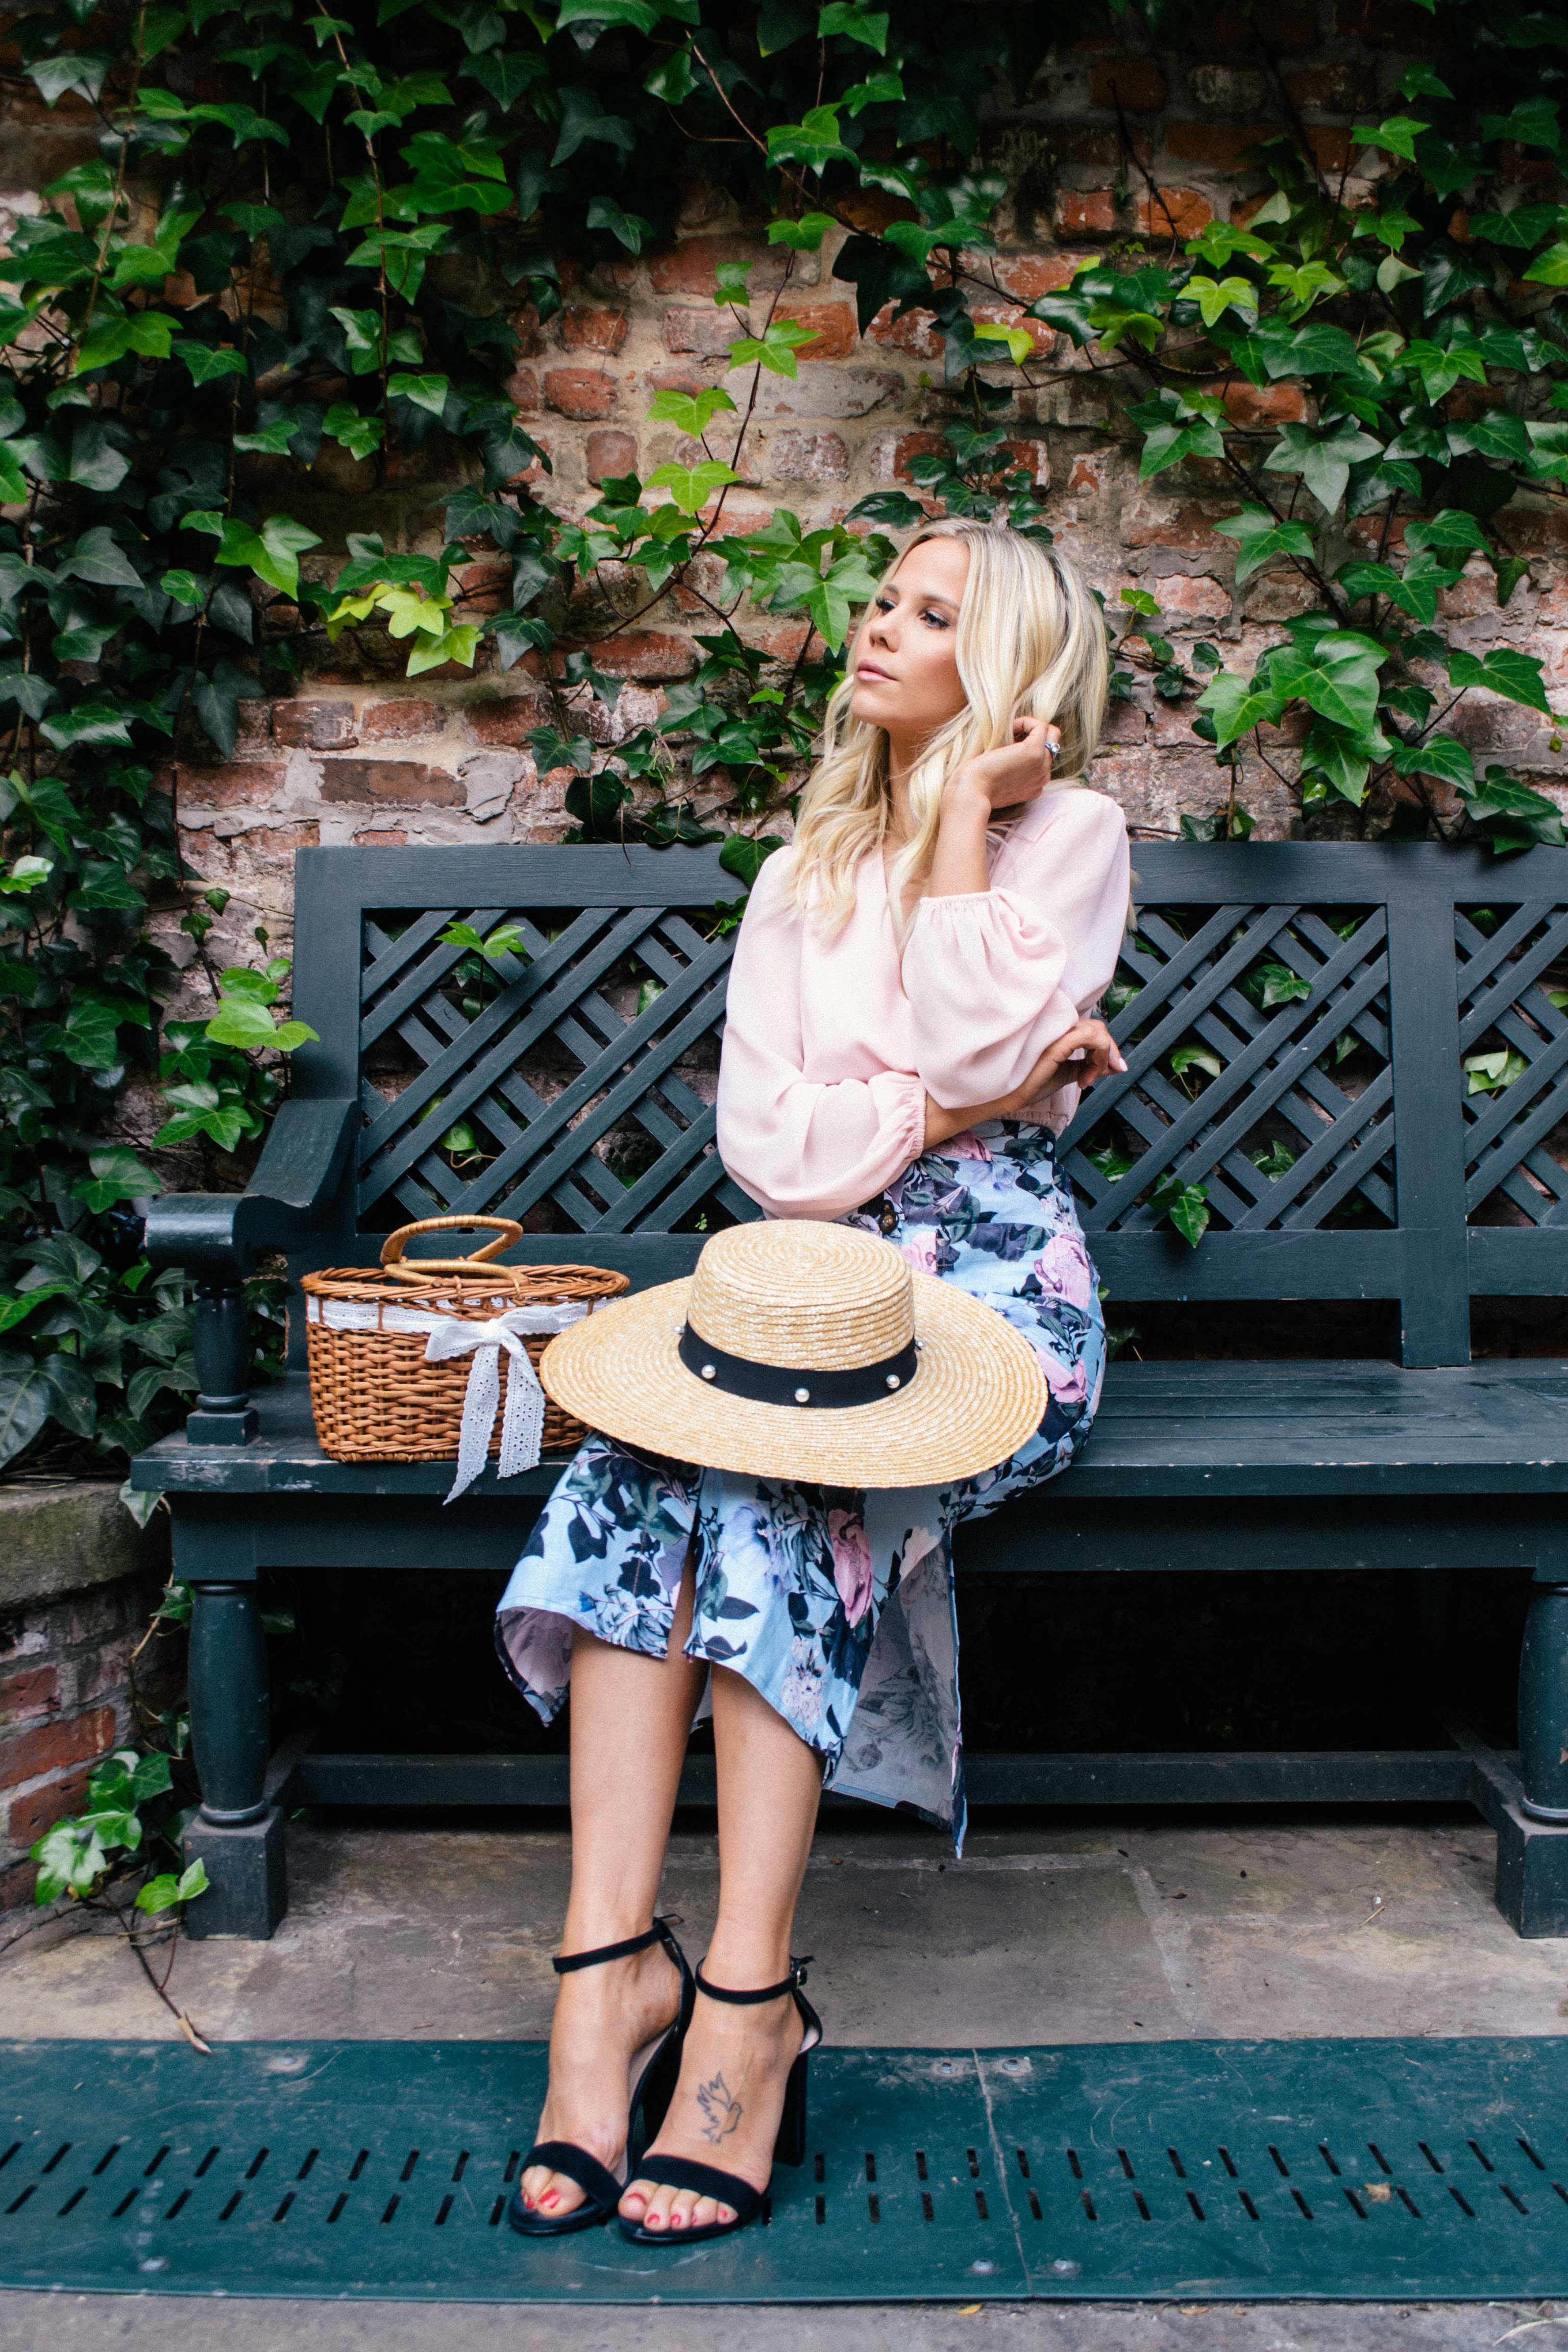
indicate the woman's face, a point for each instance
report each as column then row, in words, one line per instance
column 906, row 653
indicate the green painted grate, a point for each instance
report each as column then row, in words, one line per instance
column 1398, row 2171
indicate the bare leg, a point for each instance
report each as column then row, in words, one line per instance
column 727, row 2106
column 630, row 1717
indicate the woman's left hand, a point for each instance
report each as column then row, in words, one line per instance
column 1079, row 1057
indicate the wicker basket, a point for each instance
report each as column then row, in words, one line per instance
column 374, row 1397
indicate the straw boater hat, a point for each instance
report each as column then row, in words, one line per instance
column 801, row 1350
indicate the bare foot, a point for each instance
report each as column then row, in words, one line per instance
column 606, row 2018
column 725, row 2110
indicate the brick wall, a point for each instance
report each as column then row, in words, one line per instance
column 1108, row 146
column 78, row 1582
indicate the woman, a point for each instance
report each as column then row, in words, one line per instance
column 906, row 1033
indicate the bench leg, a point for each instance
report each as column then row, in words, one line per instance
column 238, row 1834
column 1543, row 1705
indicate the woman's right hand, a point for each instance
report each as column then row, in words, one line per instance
column 1080, row 1057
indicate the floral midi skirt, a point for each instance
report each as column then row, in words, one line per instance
column 837, row 1605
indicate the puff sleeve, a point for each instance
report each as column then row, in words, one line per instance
column 800, row 1148
column 993, row 976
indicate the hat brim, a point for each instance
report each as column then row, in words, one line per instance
column 979, row 1392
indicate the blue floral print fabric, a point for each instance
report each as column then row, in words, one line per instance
column 837, row 1605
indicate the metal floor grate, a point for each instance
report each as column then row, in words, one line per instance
column 1360, row 2170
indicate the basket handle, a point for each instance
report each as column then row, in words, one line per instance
column 506, row 1229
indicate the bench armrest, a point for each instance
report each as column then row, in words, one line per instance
column 216, row 1236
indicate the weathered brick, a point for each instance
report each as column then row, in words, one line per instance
column 691, row 267
column 1149, row 520
column 1282, row 24
column 1194, row 597
column 581, row 393
column 706, row 333
column 1134, row 83
column 646, row 652
column 1027, row 276
column 53, row 1747
column 606, row 454
column 1277, row 596
column 1395, row 25
column 888, row 459
column 1255, row 403
column 831, row 324
column 1343, row 89
column 32, row 1691
column 485, row 586
column 592, row 328
column 31, row 1815
column 797, row 456
column 830, row 392
column 1033, row 456
column 395, row 837
column 1094, row 212
column 523, row 391
column 916, row 333
column 1229, row 89
column 1126, row 721
column 314, row 726
column 249, row 784
column 1219, row 144
column 394, row 722
column 405, row 781
column 507, row 720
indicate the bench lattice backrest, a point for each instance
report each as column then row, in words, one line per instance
column 1359, row 1054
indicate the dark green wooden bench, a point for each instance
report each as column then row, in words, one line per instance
column 1344, row 1157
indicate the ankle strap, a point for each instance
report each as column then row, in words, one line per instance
column 660, row 1932
column 792, row 1983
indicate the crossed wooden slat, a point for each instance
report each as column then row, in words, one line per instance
column 472, row 1065
column 1500, row 991
column 1268, row 1066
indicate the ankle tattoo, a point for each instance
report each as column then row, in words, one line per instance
column 721, row 2112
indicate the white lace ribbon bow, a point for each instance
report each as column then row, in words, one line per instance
column 522, row 1420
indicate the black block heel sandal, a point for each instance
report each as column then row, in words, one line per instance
column 651, row 2095
column 789, row 2147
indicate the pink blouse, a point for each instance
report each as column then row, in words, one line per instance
column 832, row 1043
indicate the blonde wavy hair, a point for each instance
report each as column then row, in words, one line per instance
column 1031, row 645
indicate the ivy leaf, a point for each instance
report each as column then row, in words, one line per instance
column 775, row 349
column 1214, row 297
column 1323, row 457
column 745, row 857
column 582, row 119
column 689, row 412
column 97, row 557
column 241, row 1021
column 1451, row 530
column 1334, row 673
column 1533, row 123
column 505, row 74
column 207, row 360
column 813, row 142
column 892, row 509
column 81, row 70
column 1443, row 756
column 1398, row 135
column 856, row 24
column 1237, row 705
column 359, row 435
column 691, row 487
column 1495, row 433
column 1416, row 591
column 1186, row 1205
column 146, row 333
column 427, row 392
column 1260, row 537
column 1174, row 428
column 1503, row 671
column 629, row 228
column 95, row 722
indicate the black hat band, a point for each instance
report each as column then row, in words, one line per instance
column 779, row 1384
